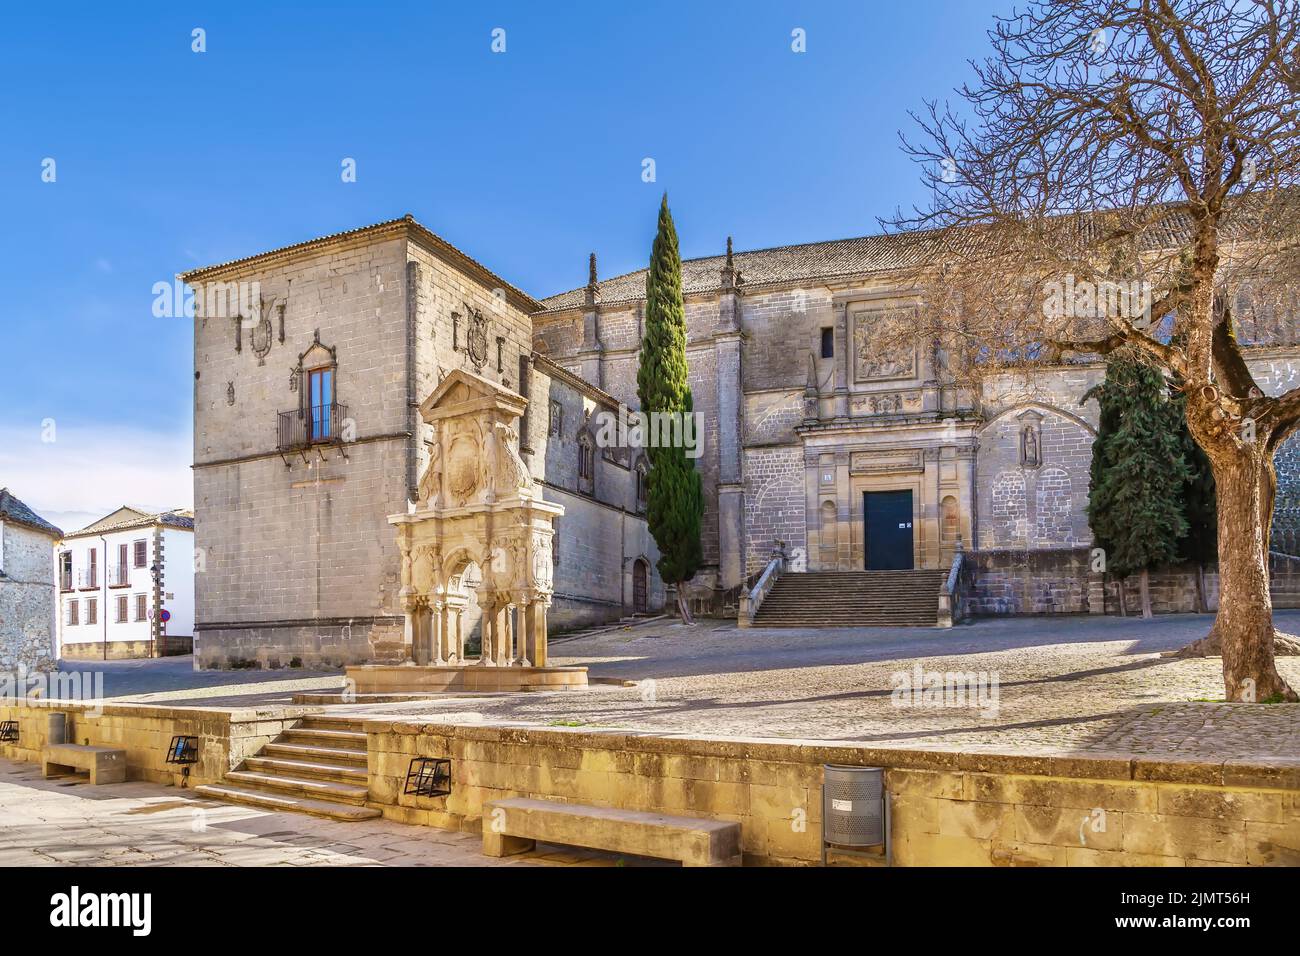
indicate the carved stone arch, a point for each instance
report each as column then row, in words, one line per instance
column 315, row 357
column 1040, row 408
column 455, row 561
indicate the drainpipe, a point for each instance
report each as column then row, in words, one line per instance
column 103, row 603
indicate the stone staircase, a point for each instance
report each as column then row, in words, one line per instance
column 853, row 599
column 318, row 767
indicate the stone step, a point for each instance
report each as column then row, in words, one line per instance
column 853, row 599
column 328, row 737
column 804, row 622
column 816, row 616
column 796, row 601
column 324, row 722
column 299, row 786
column 306, row 768
column 317, row 753
column 273, row 801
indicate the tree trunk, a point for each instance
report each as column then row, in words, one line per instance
column 683, row 607
column 1245, row 620
column 1144, row 587
column 1123, row 597
column 1202, row 602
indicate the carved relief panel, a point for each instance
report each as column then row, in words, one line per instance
column 883, row 344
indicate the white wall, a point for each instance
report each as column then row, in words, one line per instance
column 178, row 581
column 178, row 571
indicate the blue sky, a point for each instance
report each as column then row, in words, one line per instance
column 167, row 159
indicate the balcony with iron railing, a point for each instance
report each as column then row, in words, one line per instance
column 318, row 425
column 119, row 575
column 88, row 579
column 65, row 580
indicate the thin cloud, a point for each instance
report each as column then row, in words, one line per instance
column 91, row 471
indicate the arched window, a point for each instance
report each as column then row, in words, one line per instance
column 642, row 483
column 586, row 463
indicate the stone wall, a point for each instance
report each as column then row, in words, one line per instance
column 1062, row 582
column 296, row 557
column 124, row 650
column 1286, row 513
column 948, row 808
column 226, row 736
column 776, row 503
column 27, row 598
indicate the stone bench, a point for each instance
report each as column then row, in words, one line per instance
column 105, row 764
column 515, row 825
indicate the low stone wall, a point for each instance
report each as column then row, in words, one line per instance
column 144, row 731
column 122, row 650
column 948, row 808
column 1061, row 581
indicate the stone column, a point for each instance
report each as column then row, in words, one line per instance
column 528, row 639
column 410, row 627
column 844, row 512
column 488, row 627
column 731, row 489
column 841, row 403
column 816, row 558
column 503, row 629
column 457, row 623
column 437, row 634
column 419, row 636
column 539, row 635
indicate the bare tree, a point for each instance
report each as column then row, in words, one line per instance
column 1123, row 173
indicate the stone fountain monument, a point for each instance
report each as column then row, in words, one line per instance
column 478, row 505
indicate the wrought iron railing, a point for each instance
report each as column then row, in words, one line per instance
column 316, row 425
column 88, row 579
column 119, row 575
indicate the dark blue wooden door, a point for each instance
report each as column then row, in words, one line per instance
column 888, row 525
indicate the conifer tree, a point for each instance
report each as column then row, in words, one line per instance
column 1135, row 504
column 675, row 499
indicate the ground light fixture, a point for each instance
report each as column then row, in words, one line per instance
column 183, row 750
column 428, row 777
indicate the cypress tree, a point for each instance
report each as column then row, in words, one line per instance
column 1135, row 503
column 675, row 498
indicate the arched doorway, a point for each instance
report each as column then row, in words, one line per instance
column 640, row 581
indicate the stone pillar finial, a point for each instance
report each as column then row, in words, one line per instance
column 729, row 269
column 593, row 284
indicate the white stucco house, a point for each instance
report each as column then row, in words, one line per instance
column 27, row 596
column 116, row 578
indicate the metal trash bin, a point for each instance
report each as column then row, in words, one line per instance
column 855, row 809
column 56, row 728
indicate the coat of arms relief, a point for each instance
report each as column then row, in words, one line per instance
column 476, row 337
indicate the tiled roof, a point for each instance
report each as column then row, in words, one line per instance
column 845, row 258
column 812, row 260
column 126, row 518
column 11, row 509
column 471, row 265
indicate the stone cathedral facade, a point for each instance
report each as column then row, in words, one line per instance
column 816, row 440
